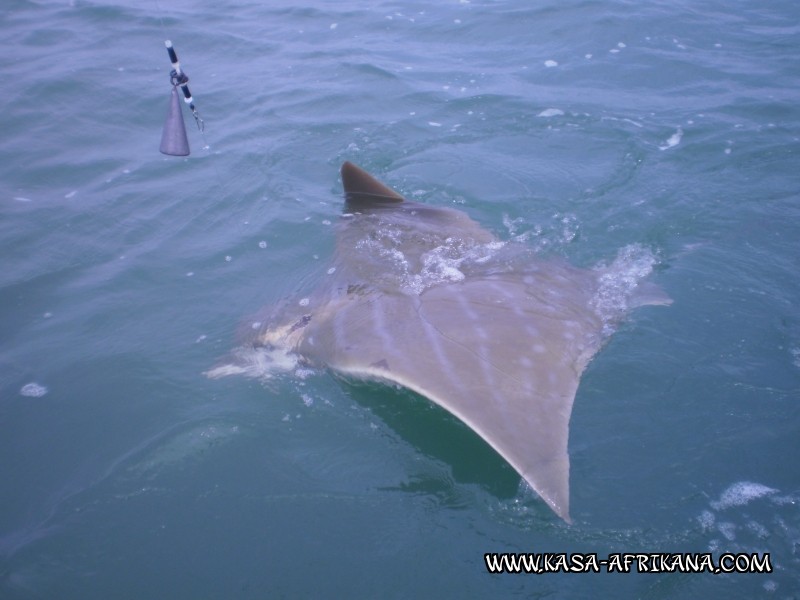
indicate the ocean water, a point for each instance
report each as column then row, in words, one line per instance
column 586, row 126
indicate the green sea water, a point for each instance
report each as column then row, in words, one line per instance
column 586, row 126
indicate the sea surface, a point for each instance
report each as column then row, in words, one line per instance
column 587, row 127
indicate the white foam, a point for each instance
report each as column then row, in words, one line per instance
column 795, row 352
column 728, row 530
column 551, row 112
column 445, row 263
column 262, row 244
column 741, row 493
column 758, row 529
column 511, row 225
column 706, row 519
column 618, row 282
column 33, row 390
column 414, row 273
column 783, row 500
column 437, row 267
column 303, row 373
column 550, row 64
column 623, row 120
column 261, row 363
column 673, row 140
column 570, row 230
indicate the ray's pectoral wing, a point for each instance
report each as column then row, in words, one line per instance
column 486, row 352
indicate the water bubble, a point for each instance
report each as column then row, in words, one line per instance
column 33, row 390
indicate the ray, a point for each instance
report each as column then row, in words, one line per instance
column 424, row 297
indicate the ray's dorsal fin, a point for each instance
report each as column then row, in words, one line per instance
column 362, row 188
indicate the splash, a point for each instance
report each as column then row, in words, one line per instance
column 551, row 112
column 618, row 283
column 673, row 140
column 446, row 262
column 741, row 493
column 260, row 362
